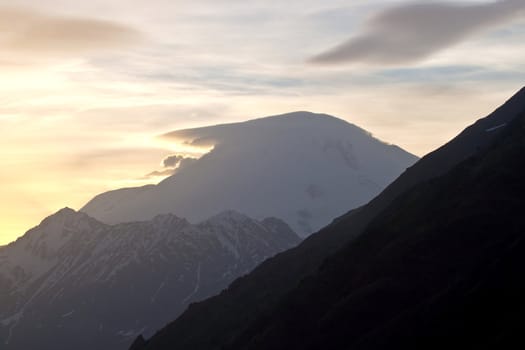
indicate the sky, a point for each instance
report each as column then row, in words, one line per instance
column 86, row 87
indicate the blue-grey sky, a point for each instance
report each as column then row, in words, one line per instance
column 85, row 86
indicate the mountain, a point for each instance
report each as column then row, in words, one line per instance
column 301, row 167
column 76, row 283
column 327, row 286
column 441, row 267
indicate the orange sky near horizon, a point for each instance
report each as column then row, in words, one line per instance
column 86, row 87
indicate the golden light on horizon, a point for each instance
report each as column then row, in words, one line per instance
column 80, row 114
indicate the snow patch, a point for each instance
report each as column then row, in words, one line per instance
column 197, row 285
column 496, row 127
column 68, row 314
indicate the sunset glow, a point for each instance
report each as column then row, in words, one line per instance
column 87, row 88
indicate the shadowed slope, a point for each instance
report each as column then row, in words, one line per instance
column 217, row 322
column 441, row 267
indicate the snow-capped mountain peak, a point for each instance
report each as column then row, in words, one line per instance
column 302, row 167
column 74, row 275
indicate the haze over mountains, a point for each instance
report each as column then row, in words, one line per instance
column 435, row 261
column 98, row 285
column 76, row 283
column 301, row 167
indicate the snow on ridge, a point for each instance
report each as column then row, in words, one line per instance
column 161, row 259
column 496, row 127
column 73, row 246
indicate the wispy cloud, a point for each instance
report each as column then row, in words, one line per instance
column 159, row 174
column 412, row 32
column 27, row 33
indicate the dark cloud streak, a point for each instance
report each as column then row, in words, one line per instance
column 171, row 164
column 172, row 161
column 177, row 161
column 156, row 173
column 412, row 32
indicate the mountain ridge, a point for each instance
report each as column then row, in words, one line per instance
column 93, row 285
column 244, row 301
column 440, row 267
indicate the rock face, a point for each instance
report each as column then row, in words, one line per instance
column 301, row 167
column 76, row 283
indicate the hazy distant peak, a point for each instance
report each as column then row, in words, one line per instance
column 66, row 217
column 65, row 212
column 305, row 168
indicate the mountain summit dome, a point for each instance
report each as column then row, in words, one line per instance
column 302, row 167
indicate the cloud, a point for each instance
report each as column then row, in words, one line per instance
column 171, row 165
column 157, row 173
column 171, row 161
column 413, row 32
column 24, row 32
column 177, row 161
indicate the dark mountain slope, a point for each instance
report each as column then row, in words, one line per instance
column 218, row 321
column 442, row 267
column 470, row 141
